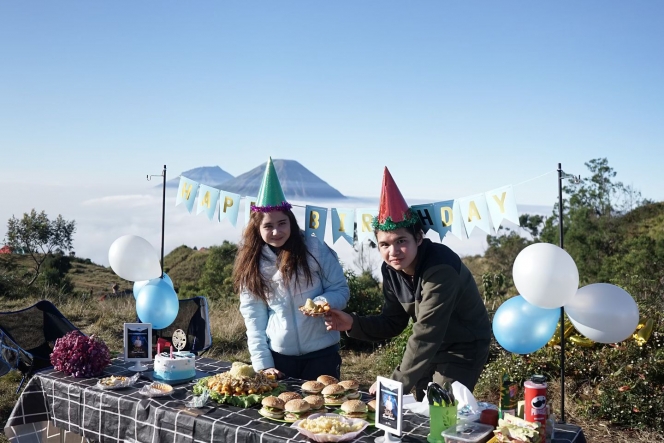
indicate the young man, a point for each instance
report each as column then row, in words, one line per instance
column 428, row 283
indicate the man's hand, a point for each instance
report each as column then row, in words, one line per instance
column 336, row 320
column 372, row 389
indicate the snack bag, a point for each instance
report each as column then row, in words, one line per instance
column 509, row 392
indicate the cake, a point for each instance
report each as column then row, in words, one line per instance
column 181, row 366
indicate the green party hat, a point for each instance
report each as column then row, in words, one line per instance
column 270, row 196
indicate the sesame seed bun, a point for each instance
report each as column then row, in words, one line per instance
column 351, row 387
column 354, row 409
column 334, row 394
column 327, row 380
column 273, row 407
column 312, row 387
column 316, row 402
column 296, row 409
column 371, row 406
column 287, row 396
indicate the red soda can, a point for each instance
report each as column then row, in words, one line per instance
column 535, row 409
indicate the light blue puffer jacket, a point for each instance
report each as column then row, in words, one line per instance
column 278, row 325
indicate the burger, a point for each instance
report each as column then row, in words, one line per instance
column 334, row 394
column 288, row 396
column 327, row 380
column 371, row 406
column 351, row 387
column 316, row 403
column 312, row 387
column 296, row 410
column 273, row 407
column 354, row 409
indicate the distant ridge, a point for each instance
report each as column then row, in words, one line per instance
column 297, row 182
column 207, row 175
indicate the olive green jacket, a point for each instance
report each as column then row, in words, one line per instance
column 444, row 303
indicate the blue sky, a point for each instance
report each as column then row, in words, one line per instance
column 456, row 98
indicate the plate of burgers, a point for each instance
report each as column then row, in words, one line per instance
column 330, row 427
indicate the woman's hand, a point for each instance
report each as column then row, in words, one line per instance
column 274, row 372
column 336, row 320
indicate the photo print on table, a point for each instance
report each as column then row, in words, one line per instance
column 389, row 399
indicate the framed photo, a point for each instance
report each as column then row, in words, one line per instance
column 137, row 342
column 389, row 401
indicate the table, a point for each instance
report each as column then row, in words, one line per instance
column 55, row 407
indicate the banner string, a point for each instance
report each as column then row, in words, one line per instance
column 535, row 178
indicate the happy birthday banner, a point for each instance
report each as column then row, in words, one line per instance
column 460, row 217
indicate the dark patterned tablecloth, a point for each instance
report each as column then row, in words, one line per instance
column 52, row 399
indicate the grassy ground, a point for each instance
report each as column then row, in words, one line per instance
column 106, row 317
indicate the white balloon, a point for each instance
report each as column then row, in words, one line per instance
column 133, row 258
column 603, row 312
column 545, row 275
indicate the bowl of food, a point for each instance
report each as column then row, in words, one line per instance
column 330, row 427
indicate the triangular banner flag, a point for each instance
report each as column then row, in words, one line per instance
column 363, row 218
column 316, row 218
column 475, row 213
column 186, row 192
column 443, row 216
column 502, row 206
column 207, row 200
column 229, row 206
column 427, row 216
column 343, row 224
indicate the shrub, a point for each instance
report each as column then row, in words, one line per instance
column 366, row 296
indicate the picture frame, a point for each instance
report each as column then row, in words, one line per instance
column 137, row 344
column 389, row 405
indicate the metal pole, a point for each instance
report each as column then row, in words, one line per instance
column 562, row 308
column 163, row 221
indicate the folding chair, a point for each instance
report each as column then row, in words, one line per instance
column 194, row 319
column 27, row 338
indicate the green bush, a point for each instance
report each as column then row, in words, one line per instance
column 366, row 296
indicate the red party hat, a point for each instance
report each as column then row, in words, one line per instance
column 393, row 211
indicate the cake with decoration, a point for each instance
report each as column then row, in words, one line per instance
column 175, row 365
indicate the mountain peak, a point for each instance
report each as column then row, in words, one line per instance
column 207, row 175
column 297, row 182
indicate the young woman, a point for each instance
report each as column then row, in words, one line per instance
column 428, row 283
column 276, row 270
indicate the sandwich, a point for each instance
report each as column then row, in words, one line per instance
column 371, row 406
column 327, row 380
column 273, row 407
column 351, row 387
column 316, row 403
column 334, row 394
column 288, row 396
column 296, row 410
column 312, row 387
column 354, row 409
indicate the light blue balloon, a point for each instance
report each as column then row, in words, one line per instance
column 523, row 328
column 139, row 284
column 157, row 303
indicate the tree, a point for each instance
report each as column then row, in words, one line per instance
column 217, row 277
column 591, row 218
column 39, row 237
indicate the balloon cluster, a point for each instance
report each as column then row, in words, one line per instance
column 547, row 278
column 133, row 258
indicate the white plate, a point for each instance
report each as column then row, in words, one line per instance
column 331, row 437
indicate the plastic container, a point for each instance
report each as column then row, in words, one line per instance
column 468, row 433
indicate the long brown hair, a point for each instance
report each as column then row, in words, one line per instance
column 291, row 259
